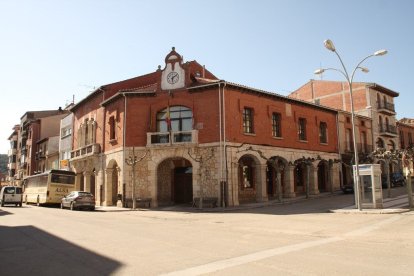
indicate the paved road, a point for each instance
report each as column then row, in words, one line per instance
column 290, row 239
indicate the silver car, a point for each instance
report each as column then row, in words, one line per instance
column 78, row 200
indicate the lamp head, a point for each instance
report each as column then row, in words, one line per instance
column 364, row 69
column 319, row 71
column 380, row 53
column 329, row 45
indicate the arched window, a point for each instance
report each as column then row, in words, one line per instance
column 175, row 118
column 380, row 143
column 247, row 172
column 381, row 127
column 392, row 145
column 378, row 100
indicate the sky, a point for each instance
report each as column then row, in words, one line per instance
column 52, row 51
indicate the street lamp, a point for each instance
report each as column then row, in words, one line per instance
column 330, row 46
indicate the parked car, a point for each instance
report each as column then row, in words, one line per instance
column 78, row 200
column 397, row 179
column 11, row 195
column 348, row 188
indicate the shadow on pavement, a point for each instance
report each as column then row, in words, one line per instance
column 27, row 250
column 4, row 213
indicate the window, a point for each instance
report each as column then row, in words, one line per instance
column 302, row 129
column 410, row 139
column 276, row 125
column 348, row 120
column 402, row 142
column 65, row 132
column 175, row 118
column 248, row 120
column 348, row 140
column 362, row 123
column 112, row 126
column 323, row 132
column 364, row 141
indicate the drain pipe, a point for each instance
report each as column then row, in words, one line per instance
column 224, row 147
column 221, row 137
column 123, row 149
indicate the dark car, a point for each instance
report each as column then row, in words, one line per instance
column 348, row 188
column 397, row 179
column 78, row 200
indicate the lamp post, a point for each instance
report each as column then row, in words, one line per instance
column 349, row 78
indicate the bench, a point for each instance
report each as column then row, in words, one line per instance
column 208, row 202
column 139, row 202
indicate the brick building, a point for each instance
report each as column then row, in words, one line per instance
column 370, row 99
column 193, row 135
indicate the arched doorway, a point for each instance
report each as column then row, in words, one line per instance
column 300, row 178
column 248, row 181
column 112, row 184
column 275, row 165
column 323, row 176
column 175, row 182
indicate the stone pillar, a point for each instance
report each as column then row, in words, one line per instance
column 279, row 184
column 289, row 181
column 78, row 181
column 234, row 185
column 87, row 181
column 261, row 194
column 108, row 187
column 330, row 177
column 313, row 181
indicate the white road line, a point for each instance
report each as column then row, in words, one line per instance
column 236, row 261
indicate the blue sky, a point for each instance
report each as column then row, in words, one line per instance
column 52, row 50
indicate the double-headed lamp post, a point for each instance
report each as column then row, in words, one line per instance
column 330, row 46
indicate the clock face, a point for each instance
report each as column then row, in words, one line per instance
column 172, row 77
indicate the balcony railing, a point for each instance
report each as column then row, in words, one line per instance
column 385, row 129
column 386, row 107
column 11, row 152
column 362, row 148
column 172, row 138
column 85, row 151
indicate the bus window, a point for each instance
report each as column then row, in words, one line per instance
column 62, row 179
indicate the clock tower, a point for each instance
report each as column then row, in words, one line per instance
column 173, row 75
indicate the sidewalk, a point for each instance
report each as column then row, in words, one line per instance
column 394, row 205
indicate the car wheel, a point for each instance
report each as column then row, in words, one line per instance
column 20, row 204
column 71, row 206
column 92, row 208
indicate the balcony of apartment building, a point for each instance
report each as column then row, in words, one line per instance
column 40, row 155
column 12, row 152
column 387, row 130
column 362, row 148
column 11, row 166
column 386, row 108
column 85, row 151
column 172, row 138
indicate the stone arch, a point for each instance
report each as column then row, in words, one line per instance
column 300, row 176
column 323, row 176
column 276, row 171
column 380, row 143
column 249, row 176
column 174, row 181
column 112, row 184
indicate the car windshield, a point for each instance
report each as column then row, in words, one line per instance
column 84, row 194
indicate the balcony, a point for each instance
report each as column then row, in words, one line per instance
column 387, row 130
column 11, row 166
column 172, row 138
column 362, row 148
column 387, row 108
column 11, row 152
column 85, row 151
column 40, row 155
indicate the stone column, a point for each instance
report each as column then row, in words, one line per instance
column 78, row 181
column 313, row 181
column 234, row 185
column 87, row 181
column 279, row 184
column 108, row 187
column 290, row 181
column 261, row 194
column 330, row 177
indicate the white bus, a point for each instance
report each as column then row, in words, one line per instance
column 48, row 187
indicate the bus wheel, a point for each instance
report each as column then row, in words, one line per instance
column 71, row 206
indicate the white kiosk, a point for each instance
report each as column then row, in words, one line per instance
column 371, row 188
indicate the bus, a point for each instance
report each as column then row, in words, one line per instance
column 48, row 187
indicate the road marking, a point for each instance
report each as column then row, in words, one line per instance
column 236, row 261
